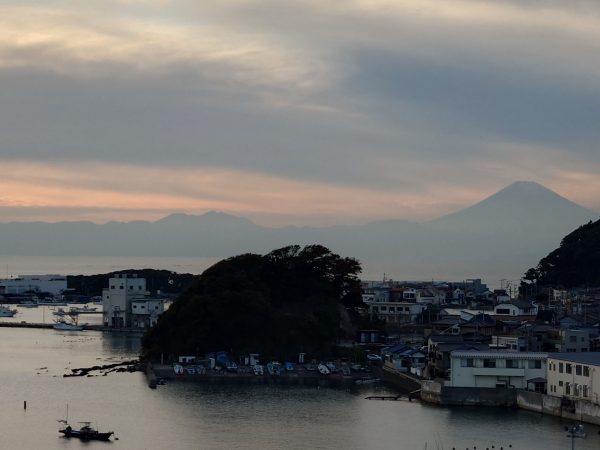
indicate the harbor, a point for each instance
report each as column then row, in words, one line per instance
column 258, row 416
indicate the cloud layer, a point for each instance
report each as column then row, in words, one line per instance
column 293, row 112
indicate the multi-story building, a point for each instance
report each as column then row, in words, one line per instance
column 575, row 376
column 574, row 341
column 146, row 311
column 519, row 370
column 118, row 297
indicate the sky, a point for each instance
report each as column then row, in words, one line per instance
column 293, row 112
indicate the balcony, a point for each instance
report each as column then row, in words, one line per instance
column 498, row 371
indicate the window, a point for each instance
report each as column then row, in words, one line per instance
column 512, row 364
column 568, row 389
column 575, row 389
column 489, row 363
column 139, row 288
column 466, row 362
column 502, row 311
column 578, row 369
column 586, row 371
column 112, row 286
column 569, row 368
column 560, row 367
column 535, row 364
column 585, row 391
column 560, row 383
column 572, row 338
column 121, row 287
column 130, row 288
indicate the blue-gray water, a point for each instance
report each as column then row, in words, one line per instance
column 186, row 415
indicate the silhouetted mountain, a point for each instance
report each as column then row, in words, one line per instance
column 498, row 237
column 524, row 207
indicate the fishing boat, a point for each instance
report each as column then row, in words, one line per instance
column 85, row 433
column 63, row 324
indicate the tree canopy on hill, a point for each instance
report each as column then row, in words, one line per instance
column 290, row 300
column 576, row 262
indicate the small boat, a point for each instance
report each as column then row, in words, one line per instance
column 85, row 433
column 274, row 368
column 7, row 312
column 64, row 325
column 323, row 369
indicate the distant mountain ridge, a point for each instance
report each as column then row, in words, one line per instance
column 498, row 237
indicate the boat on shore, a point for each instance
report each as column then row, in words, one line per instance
column 323, row 369
column 85, row 433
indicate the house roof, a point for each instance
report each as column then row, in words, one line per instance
column 499, row 355
column 592, row 358
column 482, row 320
column 523, row 304
column 445, row 338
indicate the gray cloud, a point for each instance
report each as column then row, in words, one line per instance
column 394, row 98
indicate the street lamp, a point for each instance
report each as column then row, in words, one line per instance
column 575, row 431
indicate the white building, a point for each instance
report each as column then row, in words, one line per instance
column 575, row 376
column 431, row 296
column 510, row 343
column 396, row 312
column 146, row 311
column 515, row 308
column 117, row 299
column 53, row 284
column 519, row 370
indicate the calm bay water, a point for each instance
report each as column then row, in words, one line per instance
column 185, row 415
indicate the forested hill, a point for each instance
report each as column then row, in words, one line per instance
column 290, row 300
column 575, row 263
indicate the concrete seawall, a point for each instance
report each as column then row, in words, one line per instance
column 580, row 410
column 436, row 392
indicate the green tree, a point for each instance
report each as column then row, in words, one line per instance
column 285, row 302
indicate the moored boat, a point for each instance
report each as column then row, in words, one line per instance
column 85, row 433
column 64, row 325
column 7, row 312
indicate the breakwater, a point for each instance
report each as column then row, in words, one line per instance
column 299, row 377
